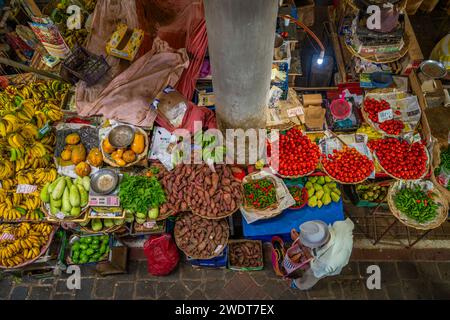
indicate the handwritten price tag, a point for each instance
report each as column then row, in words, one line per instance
column 385, row 115
column 26, row 188
column 149, row 224
column 295, row 112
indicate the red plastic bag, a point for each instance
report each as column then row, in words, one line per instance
column 162, row 254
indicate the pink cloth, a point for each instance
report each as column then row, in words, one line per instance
column 128, row 96
column 193, row 113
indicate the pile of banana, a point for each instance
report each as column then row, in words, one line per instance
column 27, row 145
column 22, row 242
column 18, row 206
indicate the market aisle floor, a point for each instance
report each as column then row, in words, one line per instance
column 399, row 280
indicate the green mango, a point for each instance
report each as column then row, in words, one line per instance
column 335, row 196
column 118, row 222
column 332, row 185
column 89, row 252
column 327, row 179
column 45, row 196
column 317, row 187
column 313, row 179
column 321, row 180
column 326, row 199
column 153, row 213
column 140, row 221
column 312, row 202
column 96, row 224
column 141, row 215
column 319, row 204
column 309, row 185
column 75, row 211
column 319, row 194
column 337, row 191
column 326, row 189
column 310, row 192
column 84, row 223
column 108, row 223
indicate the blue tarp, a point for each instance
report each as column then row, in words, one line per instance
column 281, row 225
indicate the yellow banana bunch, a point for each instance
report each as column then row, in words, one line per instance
column 44, row 175
column 8, row 184
column 25, row 244
column 6, row 169
column 16, row 140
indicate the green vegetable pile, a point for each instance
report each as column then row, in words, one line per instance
column 260, row 194
column 444, row 168
column 416, row 204
column 90, row 249
column 138, row 194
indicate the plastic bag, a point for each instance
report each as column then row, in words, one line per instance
column 162, row 254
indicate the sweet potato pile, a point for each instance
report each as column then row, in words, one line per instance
column 201, row 238
column 245, row 254
column 197, row 188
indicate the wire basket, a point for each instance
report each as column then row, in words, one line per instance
column 86, row 66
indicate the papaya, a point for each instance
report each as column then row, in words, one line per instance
column 72, row 138
column 83, row 169
column 78, row 154
column 129, row 156
column 95, row 157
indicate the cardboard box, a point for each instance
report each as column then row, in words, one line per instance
column 125, row 43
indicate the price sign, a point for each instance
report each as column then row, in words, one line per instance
column 385, row 115
column 26, row 188
column 60, row 215
column 295, row 112
column 149, row 224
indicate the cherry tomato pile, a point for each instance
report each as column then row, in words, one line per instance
column 298, row 154
column 348, row 165
column 393, row 127
column 399, row 158
column 373, row 107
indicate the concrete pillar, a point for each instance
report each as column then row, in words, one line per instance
column 241, row 35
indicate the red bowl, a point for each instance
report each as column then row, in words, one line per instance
column 305, row 198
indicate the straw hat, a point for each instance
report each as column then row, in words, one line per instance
column 314, row 234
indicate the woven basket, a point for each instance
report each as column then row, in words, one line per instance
column 223, row 216
column 165, row 216
column 376, row 127
column 231, row 243
column 397, row 178
column 216, row 254
column 45, row 207
column 247, row 207
column 440, row 218
column 108, row 160
column 43, row 250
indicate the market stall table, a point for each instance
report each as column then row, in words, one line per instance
column 281, row 225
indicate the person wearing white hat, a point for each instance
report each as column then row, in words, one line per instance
column 331, row 248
